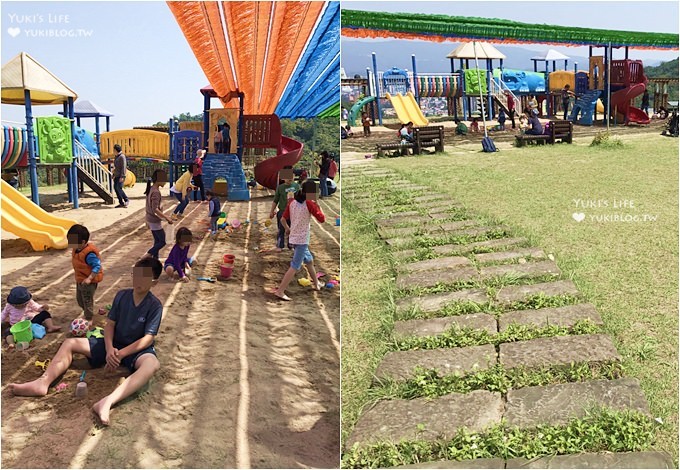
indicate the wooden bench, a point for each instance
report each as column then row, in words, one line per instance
column 431, row 136
column 403, row 148
column 562, row 130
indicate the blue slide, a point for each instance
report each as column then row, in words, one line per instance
column 586, row 106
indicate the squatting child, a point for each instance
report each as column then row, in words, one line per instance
column 178, row 264
column 21, row 306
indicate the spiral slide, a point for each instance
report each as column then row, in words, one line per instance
column 267, row 171
column 28, row 221
column 621, row 101
column 407, row 109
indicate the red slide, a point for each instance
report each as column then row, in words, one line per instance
column 267, row 172
column 621, row 101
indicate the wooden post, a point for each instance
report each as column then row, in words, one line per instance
column 50, row 176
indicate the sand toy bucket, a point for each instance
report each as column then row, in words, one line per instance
column 22, row 331
column 228, row 259
column 226, row 270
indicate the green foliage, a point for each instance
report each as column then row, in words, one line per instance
column 664, row 70
column 602, row 430
column 604, row 139
column 457, row 337
column 183, row 117
column 316, row 134
column 538, row 301
column 450, row 310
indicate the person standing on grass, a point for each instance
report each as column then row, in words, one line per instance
column 154, row 212
column 511, row 107
column 198, row 174
column 566, row 96
column 299, row 211
column 119, row 173
column 129, row 336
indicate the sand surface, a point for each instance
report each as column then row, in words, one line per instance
column 246, row 379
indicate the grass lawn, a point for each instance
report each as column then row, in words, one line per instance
column 628, row 269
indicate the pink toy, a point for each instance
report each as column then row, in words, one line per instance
column 61, row 386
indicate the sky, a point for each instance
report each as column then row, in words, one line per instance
column 621, row 15
column 132, row 59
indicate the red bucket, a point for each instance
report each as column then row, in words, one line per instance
column 225, row 271
column 228, row 259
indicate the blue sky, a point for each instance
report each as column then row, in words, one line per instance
column 132, row 59
column 622, row 15
column 128, row 57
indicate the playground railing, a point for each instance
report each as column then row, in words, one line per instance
column 499, row 89
column 91, row 165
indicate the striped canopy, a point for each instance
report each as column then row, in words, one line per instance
column 439, row 28
column 283, row 56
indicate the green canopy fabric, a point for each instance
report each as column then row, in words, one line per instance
column 440, row 28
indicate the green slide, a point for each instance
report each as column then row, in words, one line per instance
column 358, row 106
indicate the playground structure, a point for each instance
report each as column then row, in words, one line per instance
column 616, row 82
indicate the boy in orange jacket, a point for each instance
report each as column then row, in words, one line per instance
column 87, row 266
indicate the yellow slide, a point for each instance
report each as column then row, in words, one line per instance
column 28, row 221
column 407, row 109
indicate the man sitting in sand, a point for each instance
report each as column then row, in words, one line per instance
column 132, row 325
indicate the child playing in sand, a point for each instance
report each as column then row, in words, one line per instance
column 129, row 334
column 178, row 264
column 214, row 209
column 474, row 125
column 299, row 210
column 154, row 212
column 21, row 306
column 284, row 192
column 87, row 266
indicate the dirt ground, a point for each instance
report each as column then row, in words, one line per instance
column 246, row 380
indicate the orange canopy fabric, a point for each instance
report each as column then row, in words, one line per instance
column 262, row 40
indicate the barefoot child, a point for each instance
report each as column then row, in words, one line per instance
column 178, row 264
column 299, row 211
column 285, row 188
column 21, row 306
column 129, row 335
column 87, row 266
column 154, row 212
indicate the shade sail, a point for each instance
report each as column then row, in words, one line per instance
column 86, row 108
column 258, row 48
column 550, row 54
column 484, row 51
column 22, row 73
column 439, row 28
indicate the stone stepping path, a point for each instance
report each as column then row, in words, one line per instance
column 401, row 365
column 527, row 407
column 566, row 316
column 437, row 326
column 428, row 419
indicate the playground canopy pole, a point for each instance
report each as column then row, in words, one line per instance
column 74, row 168
column 239, row 137
column 171, row 158
column 31, row 150
column 415, row 78
column 479, row 83
column 206, row 119
column 377, row 87
column 608, row 53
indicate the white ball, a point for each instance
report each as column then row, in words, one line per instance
column 79, row 327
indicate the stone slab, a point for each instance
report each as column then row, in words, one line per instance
column 558, row 351
column 437, row 326
column 403, row 254
column 557, row 404
column 470, row 247
column 408, row 219
column 398, row 241
column 609, row 460
column 401, row 365
column 440, row 214
column 432, row 278
column 428, row 419
column 523, row 271
column 566, row 316
column 437, row 263
column 511, row 294
column 476, row 231
column 431, row 197
column 434, row 302
column 455, row 464
column 458, row 225
column 432, row 229
column 509, row 255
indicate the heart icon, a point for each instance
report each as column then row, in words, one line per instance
column 14, row 32
column 578, row 216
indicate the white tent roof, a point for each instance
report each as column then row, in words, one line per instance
column 23, row 72
column 484, row 51
column 550, row 54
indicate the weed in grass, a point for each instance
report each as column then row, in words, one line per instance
column 601, row 430
column 457, row 337
column 604, row 139
column 450, row 310
column 538, row 301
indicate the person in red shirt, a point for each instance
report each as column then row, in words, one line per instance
column 511, row 107
column 198, row 174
